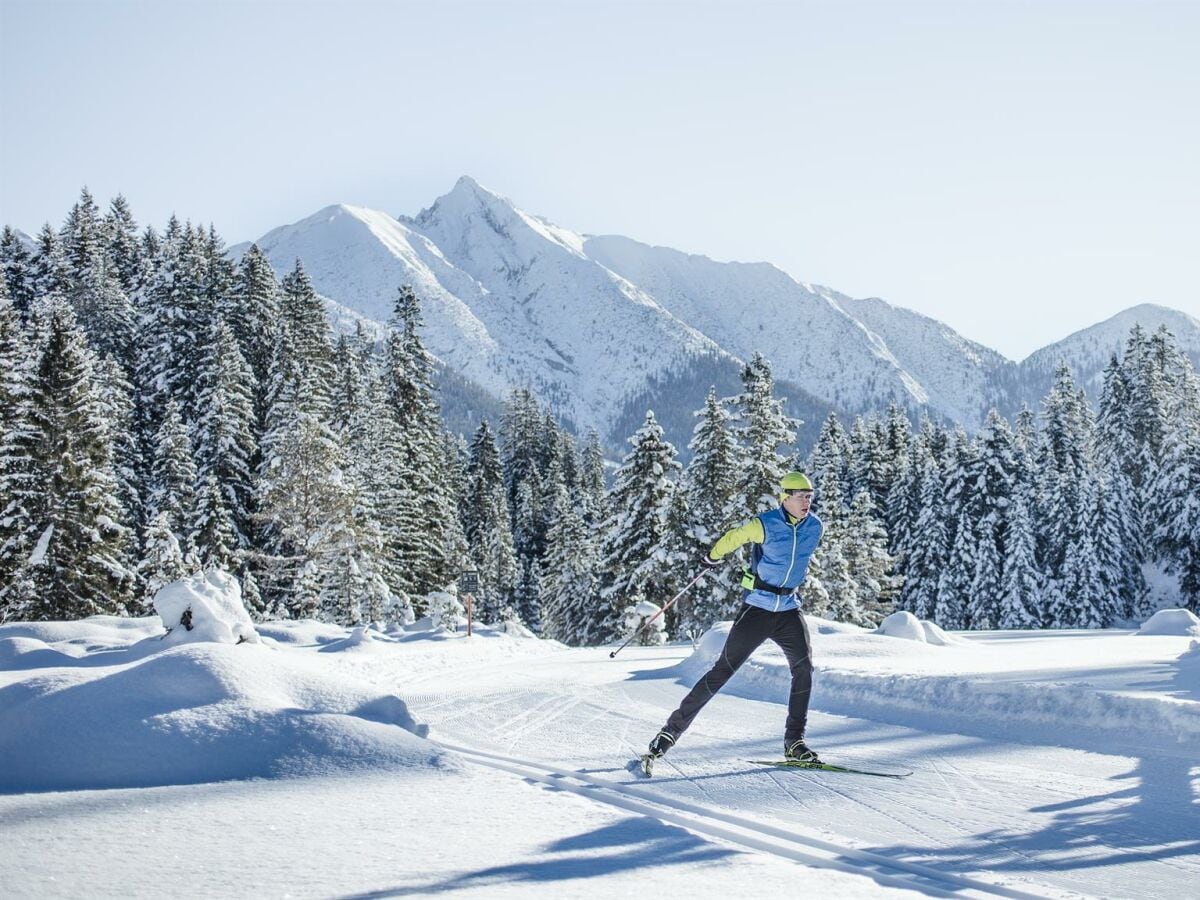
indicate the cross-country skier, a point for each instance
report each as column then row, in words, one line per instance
column 784, row 540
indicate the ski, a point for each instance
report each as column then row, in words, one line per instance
column 824, row 767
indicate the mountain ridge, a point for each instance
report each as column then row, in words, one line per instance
column 587, row 322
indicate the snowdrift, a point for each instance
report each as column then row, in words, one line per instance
column 1180, row 622
column 194, row 713
column 115, row 703
column 978, row 688
column 906, row 625
column 205, row 607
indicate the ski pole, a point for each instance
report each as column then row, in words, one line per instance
column 666, row 606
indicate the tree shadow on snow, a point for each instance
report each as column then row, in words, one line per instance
column 627, row 845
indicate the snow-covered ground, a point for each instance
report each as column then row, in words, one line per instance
column 323, row 761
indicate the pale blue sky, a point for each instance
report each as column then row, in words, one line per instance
column 1019, row 170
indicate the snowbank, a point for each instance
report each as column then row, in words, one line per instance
column 1007, row 689
column 906, row 625
column 1180, row 622
column 152, row 713
column 205, row 607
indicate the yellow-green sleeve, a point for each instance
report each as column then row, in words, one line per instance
column 747, row 533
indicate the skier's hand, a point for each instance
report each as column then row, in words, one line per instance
column 708, row 562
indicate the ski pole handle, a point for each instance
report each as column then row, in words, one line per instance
column 666, row 606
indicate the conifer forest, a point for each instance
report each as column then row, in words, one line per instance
column 165, row 409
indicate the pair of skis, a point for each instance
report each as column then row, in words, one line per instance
column 645, row 765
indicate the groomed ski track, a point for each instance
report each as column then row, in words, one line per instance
column 793, row 845
column 981, row 816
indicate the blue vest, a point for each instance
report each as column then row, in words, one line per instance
column 782, row 558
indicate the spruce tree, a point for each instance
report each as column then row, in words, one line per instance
column 48, row 272
column 1021, row 581
column 16, row 272
column 172, row 494
column 707, row 490
column 123, row 249
column 633, row 555
column 162, row 562
column 72, row 524
column 872, row 567
column 485, row 519
column 18, row 488
column 927, row 552
column 223, row 434
column 762, row 428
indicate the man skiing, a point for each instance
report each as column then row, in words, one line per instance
column 784, row 540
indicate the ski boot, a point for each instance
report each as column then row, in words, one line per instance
column 663, row 741
column 798, row 751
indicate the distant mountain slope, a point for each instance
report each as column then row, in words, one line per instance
column 746, row 307
column 964, row 379
column 598, row 326
column 1087, row 352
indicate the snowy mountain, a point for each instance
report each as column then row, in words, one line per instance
column 1087, row 352
column 598, row 324
column 509, row 300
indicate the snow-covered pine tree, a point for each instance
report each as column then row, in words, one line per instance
column 1176, row 487
column 122, row 247
column 162, row 561
column 173, row 333
column 521, row 452
column 81, row 234
column 128, row 467
column 17, row 487
column 829, row 456
column 872, row 568
column 926, row 553
column 223, row 433
column 592, row 492
column 16, row 272
column 835, row 592
column 486, row 523
column 353, row 588
column 304, row 495
column 408, row 383
column 1021, row 581
column 1079, row 598
column 569, row 587
column 958, row 575
column 707, row 492
column 253, row 314
column 983, row 600
column 761, row 428
column 902, row 485
column 72, row 523
column 1063, row 466
column 634, row 553
column 49, row 274
column 172, row 491
column 214, row 536
column 870, row 467
column 303, row 318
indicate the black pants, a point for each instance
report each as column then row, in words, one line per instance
column 752, row 626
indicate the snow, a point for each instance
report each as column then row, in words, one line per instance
column 212, row 605
column 1172, row 621
column 357, row 761
column 38, row 556
column 906, row 625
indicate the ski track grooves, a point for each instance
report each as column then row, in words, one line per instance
column 778, row 841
